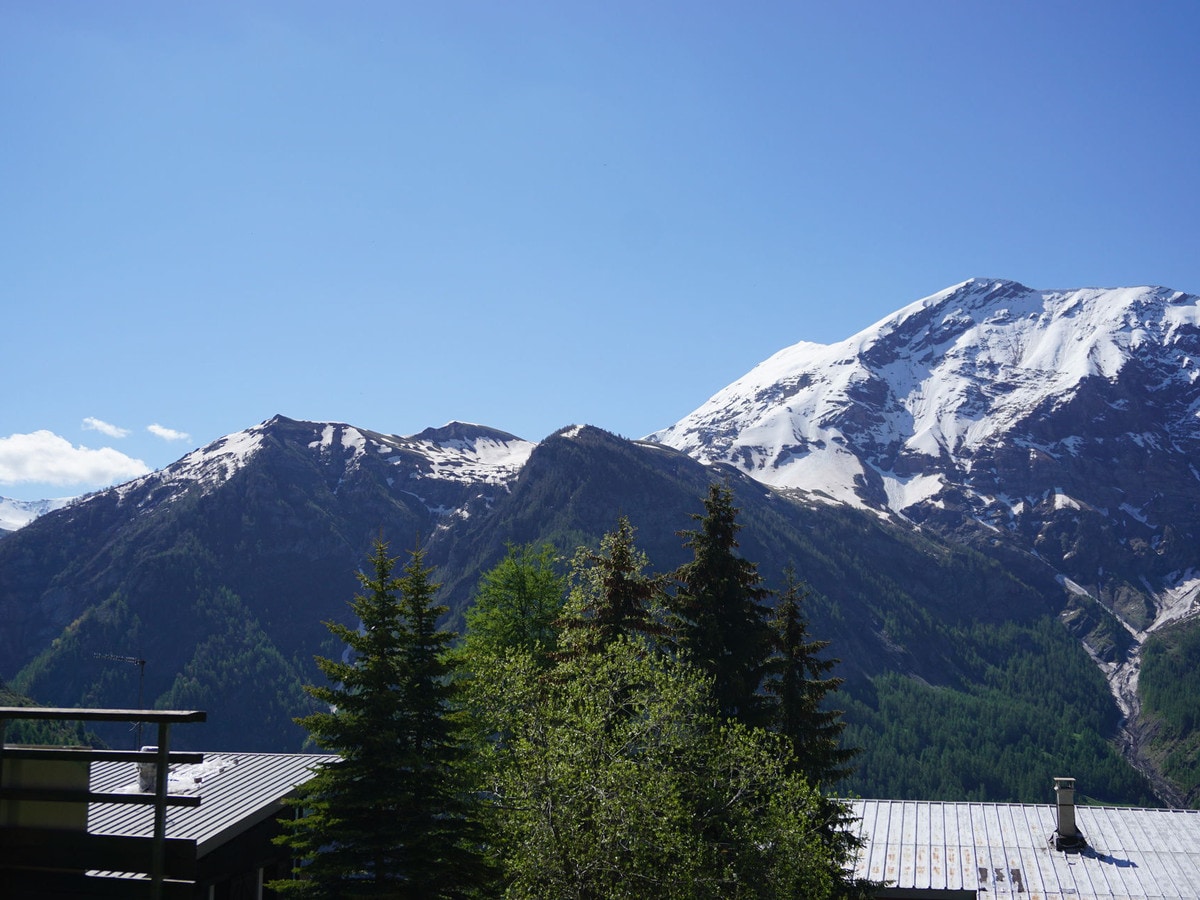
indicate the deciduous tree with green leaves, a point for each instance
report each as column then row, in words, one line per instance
column 517, row 604
column 616, row 779
column 390, row 819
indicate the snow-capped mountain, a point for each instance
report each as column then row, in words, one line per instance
column 264, row 528
column 1028, row 411
column 1054, row 433
column 16, row 514
column 942, row 394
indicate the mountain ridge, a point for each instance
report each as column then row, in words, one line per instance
column 1028, row 478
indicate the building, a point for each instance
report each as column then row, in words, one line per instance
column 1056, row 851
column 79, row 822
column 227, row 838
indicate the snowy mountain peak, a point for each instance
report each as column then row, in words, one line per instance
column 887, row 417
column 206, row 468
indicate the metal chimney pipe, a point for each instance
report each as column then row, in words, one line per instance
column 1064, row 797
column 1066, row 835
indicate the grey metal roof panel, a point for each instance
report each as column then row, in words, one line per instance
column 1004, row 850
column 236, row 790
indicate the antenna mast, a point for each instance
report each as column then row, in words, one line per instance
column 141, row 664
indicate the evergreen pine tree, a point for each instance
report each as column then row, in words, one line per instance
column 719, row 610
column 389, row 819
column 612, row 596
column 799, row 685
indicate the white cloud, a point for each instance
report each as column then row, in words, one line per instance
column 167, row 434
column 45, row 457
column 93, row 424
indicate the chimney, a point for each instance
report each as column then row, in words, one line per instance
column 1066, row 835
column 146, row 772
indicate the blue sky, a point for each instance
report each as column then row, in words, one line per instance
column 531, row 215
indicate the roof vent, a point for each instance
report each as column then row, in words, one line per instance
column 1066, row 836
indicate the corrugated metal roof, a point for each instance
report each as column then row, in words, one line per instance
column 1005, row 850
column 237, row 791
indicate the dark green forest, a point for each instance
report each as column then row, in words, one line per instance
column 1168, row 684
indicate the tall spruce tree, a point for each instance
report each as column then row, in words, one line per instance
column 390, row 819
column 719, row 613
column 800, row 684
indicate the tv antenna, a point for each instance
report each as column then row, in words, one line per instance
column 141, row 664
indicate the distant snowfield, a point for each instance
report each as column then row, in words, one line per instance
column 16, row 514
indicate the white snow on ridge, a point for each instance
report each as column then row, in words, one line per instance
column 341, row 435
column 475, row 458
column 219, row 460
column 1064, row 501
column 207, row 467
column 325, row 441
column 481, row 460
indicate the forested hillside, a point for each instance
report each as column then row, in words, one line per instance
column 1169, row 686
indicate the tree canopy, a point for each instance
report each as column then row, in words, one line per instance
column 603, row 749
column 615, row 779
column 517, row 604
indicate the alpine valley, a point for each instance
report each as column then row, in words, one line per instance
column 992, row 495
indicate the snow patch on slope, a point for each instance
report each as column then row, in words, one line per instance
column 1179, row 601
column 905, row 492
column 482, row 459
column 219, row 461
